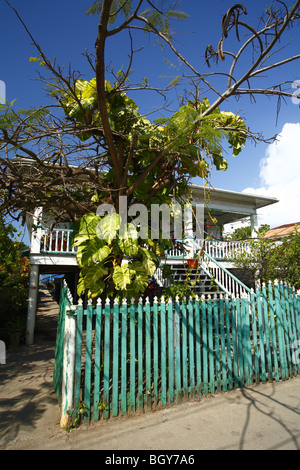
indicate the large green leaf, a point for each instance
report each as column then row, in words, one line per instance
column 94, row 250
column 91, row 278
column 85, row 229
column 122, row 276
column 108, row 226
column 140, row 283
column 129, row 241
column 148, row 263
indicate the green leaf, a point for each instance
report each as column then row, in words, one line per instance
column 91, row 278
column 85, row 229
column 108, row 226
column 129, row 241
column 94, row 250
column 140, row 282
column 148, row 263
column 122, row 276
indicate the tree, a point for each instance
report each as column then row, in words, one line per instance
column 244, row 233
column 270, row 259
column 93, row 146
column 147, row 182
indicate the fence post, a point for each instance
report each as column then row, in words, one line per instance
column 280, row 332
column 177, row 347
column 68, row 365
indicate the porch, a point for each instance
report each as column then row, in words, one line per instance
column 58, row 242
column 209, row 270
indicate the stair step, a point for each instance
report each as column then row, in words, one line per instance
column 203, row 287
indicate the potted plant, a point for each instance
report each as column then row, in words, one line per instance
column 193, row 263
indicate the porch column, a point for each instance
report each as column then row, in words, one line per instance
column 254, row 225
column 36, row 234
column 188, row 229
column 32, row 302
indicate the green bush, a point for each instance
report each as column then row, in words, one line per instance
column 14, row 282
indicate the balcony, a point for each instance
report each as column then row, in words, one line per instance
column 59, row 242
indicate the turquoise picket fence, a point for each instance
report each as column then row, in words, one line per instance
column 137, row 356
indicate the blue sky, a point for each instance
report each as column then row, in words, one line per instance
column 63, row 30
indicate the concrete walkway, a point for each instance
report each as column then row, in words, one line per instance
column 259, row 417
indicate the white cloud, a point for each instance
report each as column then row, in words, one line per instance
column 280, row 178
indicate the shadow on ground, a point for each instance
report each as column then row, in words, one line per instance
column 26, row 391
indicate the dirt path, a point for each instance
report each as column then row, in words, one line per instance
column 28, row 405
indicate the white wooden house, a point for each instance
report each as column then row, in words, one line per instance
column 52, row 252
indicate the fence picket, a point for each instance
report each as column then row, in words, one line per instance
column 184, row 349
column 234, row 343
column 296, row 305
column 191, row 347
column 88, row 362
column 223, row 348
column 204, row 347
column 280, row 332
column 262, row 328
column 115, row 361
column 178, row 347
column 294, row 320
column 256, row 307
column 246, row 339
column 106, row 374
column 132, row 356
column 140, row 355
column 210, row 348
column 290, row 334
column 228, row 341
column 124, row 358
column 240, row 342
column 198, row 346
column 268, row 307
column 155, row 350
column 171, row 350
column 148, row 353
column 163, row 353
column 217, row 345
column 267, row 332
column 97, row 360
column 285, row 329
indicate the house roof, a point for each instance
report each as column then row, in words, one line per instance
column 283, row 230
column 229, row 206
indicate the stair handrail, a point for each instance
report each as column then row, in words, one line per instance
column 238, row 287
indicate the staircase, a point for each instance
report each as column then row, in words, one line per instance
column 204, row 285
column 211, row 277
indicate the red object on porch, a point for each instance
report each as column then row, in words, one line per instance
column 193, row 263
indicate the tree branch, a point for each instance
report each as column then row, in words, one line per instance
column 100, row 80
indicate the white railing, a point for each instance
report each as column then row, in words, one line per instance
column 224, row 249
column 60, row 241
column 56, row 241
column 215, row 248
column 221, row 276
